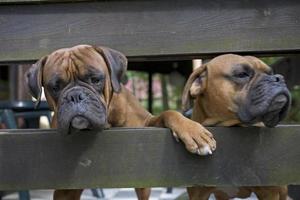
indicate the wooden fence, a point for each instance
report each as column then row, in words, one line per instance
column 148, row 30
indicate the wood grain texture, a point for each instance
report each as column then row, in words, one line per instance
column 146, row 30
column 14, row 2
column 36, row 159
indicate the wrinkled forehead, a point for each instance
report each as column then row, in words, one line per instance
column 258, row 64
column 228, row 61
column 77, row 61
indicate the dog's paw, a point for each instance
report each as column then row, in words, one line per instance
column 197, row 139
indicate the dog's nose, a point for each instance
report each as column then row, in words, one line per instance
column 278, row 78
column 76, row 96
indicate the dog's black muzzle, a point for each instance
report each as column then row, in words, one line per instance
column 79, row 108
column 268, row 101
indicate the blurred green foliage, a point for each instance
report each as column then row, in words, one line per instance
column 294, row 113
column 270, row 60
column 139, row 80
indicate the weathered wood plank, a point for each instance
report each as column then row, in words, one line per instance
column 39, row 1
column 33, row 159
column 152, row 29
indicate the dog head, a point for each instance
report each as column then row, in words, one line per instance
column 238, row 87
column 78, row 84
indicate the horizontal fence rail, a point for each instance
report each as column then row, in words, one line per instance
column 150, row 29
column 39, row 1
column 45, row 159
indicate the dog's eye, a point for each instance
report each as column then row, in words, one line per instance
column 55, row 88
column 242, row 75
column 95, row 80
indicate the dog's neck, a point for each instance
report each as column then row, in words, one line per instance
column 200, row 115
column 124, row 106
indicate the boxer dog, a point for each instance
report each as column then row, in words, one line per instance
column 83, row 87
column 233, row 90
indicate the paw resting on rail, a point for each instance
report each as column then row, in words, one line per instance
column 197, row 139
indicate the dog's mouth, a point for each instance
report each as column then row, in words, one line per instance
column 76, row 123
column 271, row 115
column 81, row 123
column 276, row 111
column 267, row 101
column 80, row 109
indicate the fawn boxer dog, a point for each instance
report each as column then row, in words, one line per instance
column 233, row 90
column 82, row 86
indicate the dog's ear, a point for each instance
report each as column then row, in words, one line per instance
column 117, row 63
column 34, row 78
column 194, row 86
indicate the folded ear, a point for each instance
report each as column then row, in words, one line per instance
column 194, row 86
column 117, row 64
column 34, row 78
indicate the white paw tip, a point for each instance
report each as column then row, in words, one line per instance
column 203, row 151
column 175, row 136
